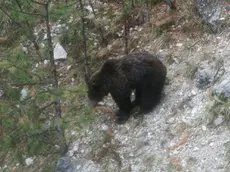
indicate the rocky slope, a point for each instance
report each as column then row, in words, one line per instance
column 182, row 133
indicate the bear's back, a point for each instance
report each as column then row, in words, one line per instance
column 141, row 63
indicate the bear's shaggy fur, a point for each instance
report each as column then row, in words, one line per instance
column 140, row 72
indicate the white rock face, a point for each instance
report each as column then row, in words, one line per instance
column 59, row 52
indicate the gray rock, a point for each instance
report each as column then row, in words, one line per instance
column 223, row 87
column 65, row 164
column 210, row 11
column 72, row 164
column 59, row 52
column 203, row 78
column 219, row 120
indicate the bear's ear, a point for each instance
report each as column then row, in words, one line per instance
column 109, row 66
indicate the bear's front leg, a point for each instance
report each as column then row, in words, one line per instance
column 122, row 116
column 125, row 106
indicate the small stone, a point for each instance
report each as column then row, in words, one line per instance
column 211, row 144
column 24, row 93
column 106, row 27
column 204, row 128
column 194, row 92
column 196, row 149
column 68, row 67
column 42, row 45
column 46, row 62
column 179, row 44
column 73, row 133
column 78, row 167
column 57, row 147
column 131, row 154
column 29, row 161
column 71, row 153
column 104, row 127
column 75, row 147
column 218, row 120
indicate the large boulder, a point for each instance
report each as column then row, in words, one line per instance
column 65, row 164
column 73, row 164
column 223, row 88
column 210, row 11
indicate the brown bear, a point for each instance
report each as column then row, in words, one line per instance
column 140, row 72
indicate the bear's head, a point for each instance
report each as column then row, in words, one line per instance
column 99, row 83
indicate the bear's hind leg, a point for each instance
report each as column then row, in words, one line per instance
column 150, row 96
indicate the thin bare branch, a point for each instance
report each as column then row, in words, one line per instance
column 87, row 72
column 126, row 29
column 219, row 65
column 28, row 13
column 46, row 106
column 91, row 5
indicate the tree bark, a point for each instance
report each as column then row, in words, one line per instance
column 57, row 104
column 86, row 59
column 147, row 11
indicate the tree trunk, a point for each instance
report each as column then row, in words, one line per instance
column 86, row 60
column 57, row 105
column 147, row 11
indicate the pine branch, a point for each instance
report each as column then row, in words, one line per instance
column 28, row 13
column 31, row 33
column 22, row 69
column 8, row 15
